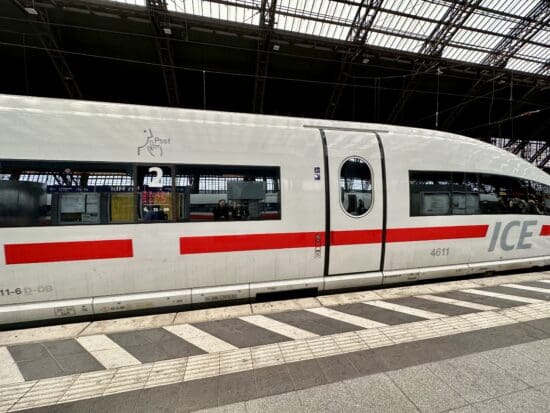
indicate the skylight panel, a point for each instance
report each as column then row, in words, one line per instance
column 244, row 11
column 131, row 2
column 465, row 55
column 320, row 18
column 420, row 8
column 523, row 65
column 393, row 42
column 518, row 7
column 493, row 24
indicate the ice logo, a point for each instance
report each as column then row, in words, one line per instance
column 153, row 144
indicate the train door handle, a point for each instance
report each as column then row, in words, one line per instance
column 317, row 245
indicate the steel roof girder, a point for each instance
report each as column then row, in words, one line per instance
column 539, row 152
column 443, row 33
column 51, row 46
column 267, row 24
column 536, row 20
column 158, row 13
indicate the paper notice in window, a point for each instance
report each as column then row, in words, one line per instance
column 122, row 207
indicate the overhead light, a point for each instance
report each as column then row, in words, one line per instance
column 167, row 31
column 365, row 60
column 31, row 10
column 276, row 47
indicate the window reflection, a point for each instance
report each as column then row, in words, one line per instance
column 458, row 193
column 355, row 186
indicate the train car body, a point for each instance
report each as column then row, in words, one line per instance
column 110, row 208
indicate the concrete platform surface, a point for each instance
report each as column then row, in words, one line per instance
column 468, row 345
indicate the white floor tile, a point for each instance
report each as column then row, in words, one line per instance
column 278, row 327
column 405, row 309
column 9, row 372
column 346, row 318
column 460, row 303
column 200, row 339
column 107, row 352
column 528, row 288
column 502, row 296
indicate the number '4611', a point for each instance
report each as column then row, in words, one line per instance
column 439, row 252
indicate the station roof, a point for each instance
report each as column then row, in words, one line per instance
column 405, row 25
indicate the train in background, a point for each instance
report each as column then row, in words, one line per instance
column 108, row 208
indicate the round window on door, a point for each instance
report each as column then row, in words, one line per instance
column 355, row 186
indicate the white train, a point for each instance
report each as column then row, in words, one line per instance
column 110, row 208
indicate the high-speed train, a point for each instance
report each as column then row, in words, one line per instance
column 113, row 208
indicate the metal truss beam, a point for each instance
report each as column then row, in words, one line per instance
column 160, row 21
column 544, row 68
column 537, row 19
column 539, row 152
column 438, row 39
column 267, row 22
column 38, row 17
column 454, row 18
column 125, row 11
column 544, row 162
column 522, row 145
column 357, row 36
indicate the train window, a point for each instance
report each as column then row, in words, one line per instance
column 539, row 198
column 355, row 186
column 430, row 193
column 471, row 188
column 464, row 193
column 154, row 193
column 63, row 193
column 227, row 193
column 503, row 195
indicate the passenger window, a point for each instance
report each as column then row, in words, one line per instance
column 471, row 193
column 355, row 186
column 503, row 195
column 430, row 193
column 64, row 193
column 155, row 193
column 228, row 193
column 539, row 199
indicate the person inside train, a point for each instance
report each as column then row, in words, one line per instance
column 222, row 211
column 360, row 207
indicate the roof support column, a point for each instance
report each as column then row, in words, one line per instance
column 40, row 23
column 357, row 35
column 267, row 22
column 160, row 20
column 433, row 46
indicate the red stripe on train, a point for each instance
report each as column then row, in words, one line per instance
column 545, row 231
column 368, row 236
column 251, row 242
column 67, row 251
column 248, row 242
column 436, row 233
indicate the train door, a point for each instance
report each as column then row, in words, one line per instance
column 356, row 197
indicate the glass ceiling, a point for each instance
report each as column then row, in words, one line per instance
column 403, row 24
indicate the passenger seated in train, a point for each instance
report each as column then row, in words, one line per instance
column 154, row 213
column 239, row 211
column 222, row 211
column 360, row 207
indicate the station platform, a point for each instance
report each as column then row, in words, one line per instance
column 474, row 345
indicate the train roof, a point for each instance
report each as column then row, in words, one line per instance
column 85, row 107
column 390, row 133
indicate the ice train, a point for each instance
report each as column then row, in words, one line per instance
column 113, row 208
